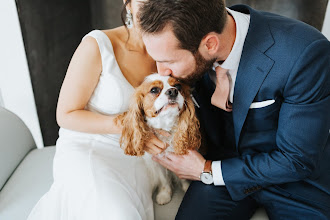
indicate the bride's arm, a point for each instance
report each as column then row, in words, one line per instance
column 80, row 81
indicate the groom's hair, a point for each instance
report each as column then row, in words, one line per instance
column 190, row 20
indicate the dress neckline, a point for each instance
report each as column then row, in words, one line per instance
column 111, row 46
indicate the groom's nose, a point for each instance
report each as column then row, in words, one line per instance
column 163, row 70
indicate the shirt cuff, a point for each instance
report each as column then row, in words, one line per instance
column 217, row 173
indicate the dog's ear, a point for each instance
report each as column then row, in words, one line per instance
column 135, row 129
column 188, row 134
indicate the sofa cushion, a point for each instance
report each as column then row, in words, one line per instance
column 32, row 178
column 168, row 211
column 260, row 215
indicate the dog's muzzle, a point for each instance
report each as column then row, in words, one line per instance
column 172, row 93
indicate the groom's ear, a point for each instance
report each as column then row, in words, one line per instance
column 209, row 45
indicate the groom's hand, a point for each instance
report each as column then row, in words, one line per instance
column 189, row 166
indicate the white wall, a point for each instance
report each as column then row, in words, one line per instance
column 15, row 82
column 326, row 23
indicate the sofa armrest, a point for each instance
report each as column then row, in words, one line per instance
column 32, row 178
column 15, row 142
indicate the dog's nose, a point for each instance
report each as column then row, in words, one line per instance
column 172, row 92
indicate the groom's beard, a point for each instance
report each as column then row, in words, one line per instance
column 202, row 65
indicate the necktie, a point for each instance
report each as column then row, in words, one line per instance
column 221, row 93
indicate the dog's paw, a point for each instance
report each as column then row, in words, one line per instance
column 185, row 185
column 164, row 196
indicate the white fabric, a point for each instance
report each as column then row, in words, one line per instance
column 231, row 63
column 217, row 174
column 93, row 179
column 262, row 104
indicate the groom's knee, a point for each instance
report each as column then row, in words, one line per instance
column 195, row 202
column 213, row 202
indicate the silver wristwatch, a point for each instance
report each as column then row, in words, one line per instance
column 206, row 176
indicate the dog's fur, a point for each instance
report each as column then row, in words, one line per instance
column 160, row 103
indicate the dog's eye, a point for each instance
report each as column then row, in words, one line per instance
column 178, row 86
column 155, row 90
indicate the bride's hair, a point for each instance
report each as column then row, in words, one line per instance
column 123, row 16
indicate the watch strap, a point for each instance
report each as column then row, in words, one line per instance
column 208, row 166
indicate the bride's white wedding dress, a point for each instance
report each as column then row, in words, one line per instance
column 93, row 179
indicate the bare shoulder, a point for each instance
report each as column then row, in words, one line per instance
column 89, row 44
column 87, row 55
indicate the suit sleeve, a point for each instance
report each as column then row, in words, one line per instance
column 303, row 129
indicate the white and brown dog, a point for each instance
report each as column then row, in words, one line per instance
column 160, row 103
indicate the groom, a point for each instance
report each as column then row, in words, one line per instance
column 264, row 108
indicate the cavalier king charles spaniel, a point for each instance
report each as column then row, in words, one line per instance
column 160, row 103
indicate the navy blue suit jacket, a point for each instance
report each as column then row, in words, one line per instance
column 286, row 144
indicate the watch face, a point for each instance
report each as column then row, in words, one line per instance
column 207, row 178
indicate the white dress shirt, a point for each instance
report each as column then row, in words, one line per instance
column 231, row 63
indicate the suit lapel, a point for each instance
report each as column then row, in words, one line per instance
column 253, row 68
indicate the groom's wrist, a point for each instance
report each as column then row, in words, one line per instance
column 206, row 176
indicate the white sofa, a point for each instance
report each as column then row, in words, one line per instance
column 26, row 173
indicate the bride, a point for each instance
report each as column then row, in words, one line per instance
column 93, row 179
